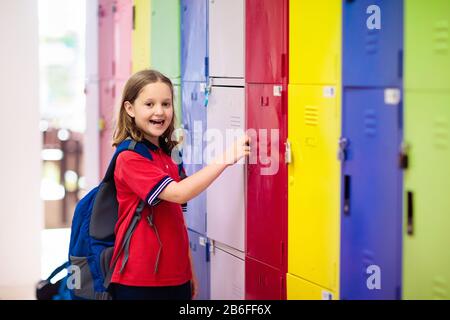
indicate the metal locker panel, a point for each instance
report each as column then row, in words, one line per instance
column 200, row 257
column 92, row 137
column 123, row 28
column 141, row 35
column 106, row 39
column 263, row 282
column 314, row 184
column 315, row 40
column 427, row 44
column 226, row 44
column 194, row 125
column 267, row 174
column 225, row 203
column 165, row 38
column 92, row 41
column 107, row 100
column 194, row 37
column 266, row 41
column 227, row 275
column 371, row 205
column 426, row 260
column 372, row 43
column 177, row 106
column 300, row 289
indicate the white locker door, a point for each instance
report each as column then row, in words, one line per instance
column 227, row 275
column 92, row 68
column 226, row 38
column 225, row 198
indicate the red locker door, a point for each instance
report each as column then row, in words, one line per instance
column 106, row 39
column 267, row 174
column 266, row 41
column 263, row 282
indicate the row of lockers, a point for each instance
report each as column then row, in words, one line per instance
column 357, row 143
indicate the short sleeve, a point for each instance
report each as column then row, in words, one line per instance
column 142, row 176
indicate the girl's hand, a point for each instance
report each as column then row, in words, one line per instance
column 194, row 286
column 236, row 151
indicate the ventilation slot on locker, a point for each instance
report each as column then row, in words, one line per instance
column 440, row 134
column 311, row 116
column 441, row 37
column 370, row 123
column 372, row 40
column 235, row 122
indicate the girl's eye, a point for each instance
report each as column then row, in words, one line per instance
column 150, row 104
column 167, row 104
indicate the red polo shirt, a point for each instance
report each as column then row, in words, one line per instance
column 138, row 178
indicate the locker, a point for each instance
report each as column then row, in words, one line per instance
column 92, row 41
column 177, row 106
column 263, row 282
column 123, row 28
column 141, row 35
column 426, row 260
column 300, row 289
column 227, row 274
column 200, row 257
column 194, row 37
column 106, row 39
column 225, row 197
column 372, row 43
column 165, row 37
column 315, row 32
column 194, row 125
column 266, row 41
column 267, row 174
column 226, row 44
column 427, row 43
column 371, row 209
column 107, row 100
column 314, row 184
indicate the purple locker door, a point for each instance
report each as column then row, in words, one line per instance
column 267, row 174
column 200, row 256
column 106, row 39
column 123, row 28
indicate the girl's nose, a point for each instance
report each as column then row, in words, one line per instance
column 159, row 109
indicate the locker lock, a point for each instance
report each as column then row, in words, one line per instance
column 343, row 144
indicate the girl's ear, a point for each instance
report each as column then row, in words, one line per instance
column 129, row 108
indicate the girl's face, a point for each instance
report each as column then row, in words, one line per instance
column 152, row 110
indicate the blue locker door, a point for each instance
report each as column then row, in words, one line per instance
column 372, row 43
column 371, row 201
column 194, row 124
column 194, row 40
column 200, row 257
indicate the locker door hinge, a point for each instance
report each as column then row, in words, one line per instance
column 343, row 145
column 287, row 152
column 403, row 157
column 206, row 66
column 134, row 17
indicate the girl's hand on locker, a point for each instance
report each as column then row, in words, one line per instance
column 240, row 148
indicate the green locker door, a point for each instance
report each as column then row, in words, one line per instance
column 427, row 44
column 426, row 264
column 165, row 38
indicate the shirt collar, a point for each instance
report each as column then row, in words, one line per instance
column 150, row 145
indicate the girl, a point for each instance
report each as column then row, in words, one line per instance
column 159, row 265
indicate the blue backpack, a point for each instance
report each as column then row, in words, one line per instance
column 92, row 236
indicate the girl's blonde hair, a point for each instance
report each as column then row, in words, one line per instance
column 126, row 126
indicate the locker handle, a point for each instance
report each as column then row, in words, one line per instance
column 400, row 64
column 347, row 186
column 410, row 212
column 264, row 101
column 134, row 17
column 283, row 65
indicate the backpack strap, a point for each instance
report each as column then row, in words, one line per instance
column 58, row 270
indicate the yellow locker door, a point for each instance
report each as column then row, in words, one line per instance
column 141, row 35
column 315, row 41
column 314, row 184
column 299, row 289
